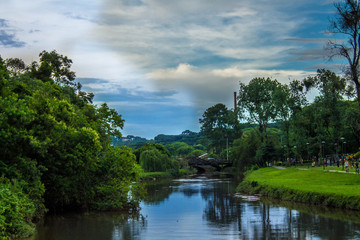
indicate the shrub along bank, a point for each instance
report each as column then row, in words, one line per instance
column 313, row 186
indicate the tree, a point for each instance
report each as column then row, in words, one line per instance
column 15, row 66
column 219, row 124
column 347, row 22
column 53, row 66
column 328, row 106
column 243, row 152
column 4, row 74
column 153, row 160
column 258, row 103
column 184, row 150
column 288, row 99
column 151, row 146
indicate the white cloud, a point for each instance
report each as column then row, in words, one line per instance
column 210, row 86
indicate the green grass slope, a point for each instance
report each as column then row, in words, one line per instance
column 314, row 186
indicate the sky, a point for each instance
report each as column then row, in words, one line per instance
column 162, row 63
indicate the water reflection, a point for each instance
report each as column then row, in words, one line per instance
column 158, row 191
column 203, row 208
column 221, row 206
column 92, row 226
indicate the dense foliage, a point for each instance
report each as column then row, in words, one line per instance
column 221, row 126
column 154, row 157
column 55, row 146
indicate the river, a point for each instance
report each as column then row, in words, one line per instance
column 204, row 207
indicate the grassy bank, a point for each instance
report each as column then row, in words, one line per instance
column 149, row 176
column 313, row 186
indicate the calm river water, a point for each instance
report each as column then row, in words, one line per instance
column 204, row 208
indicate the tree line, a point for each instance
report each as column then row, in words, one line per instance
column 305, row 128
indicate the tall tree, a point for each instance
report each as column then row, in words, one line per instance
column 288, row 99
column 328, row 106
column 220, row 125
column 347, row 22
column 258, row 104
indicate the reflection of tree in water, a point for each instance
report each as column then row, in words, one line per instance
column 189, row 190
column 129, row 229
column 92, row 226
column 158, row 191
column 325, row 228
column 282, row 223
column 221, row 207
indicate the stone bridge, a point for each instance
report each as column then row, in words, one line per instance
column 204, row 165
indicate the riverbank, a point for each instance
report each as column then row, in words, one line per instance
column 311, row 186
column 150, row 176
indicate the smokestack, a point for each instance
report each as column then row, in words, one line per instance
column 235, row 102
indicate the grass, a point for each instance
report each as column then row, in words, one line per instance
column 311, row 185
column 149, row 176
column 146, row 176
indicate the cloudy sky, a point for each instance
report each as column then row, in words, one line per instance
column 162, row 63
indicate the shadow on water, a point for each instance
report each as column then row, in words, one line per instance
column 205, row 208
column 104, row 225
column 158, row 191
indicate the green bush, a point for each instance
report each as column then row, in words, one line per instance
column 113, row 190
column 16, row 211
column 154, row 161
column 184, row 150
column 196, row 153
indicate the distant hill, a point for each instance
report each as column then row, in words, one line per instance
column 189, row 137
column 131, row 141
column 135, row 142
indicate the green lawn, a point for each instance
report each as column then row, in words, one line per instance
column 309, row 180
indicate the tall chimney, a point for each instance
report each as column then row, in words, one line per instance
column 235, row 102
